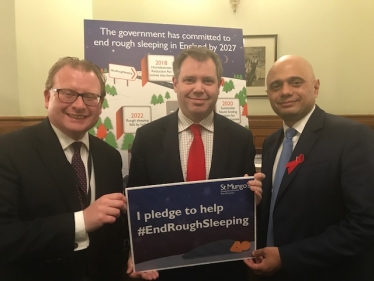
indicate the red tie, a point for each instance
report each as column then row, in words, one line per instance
column 196, row 156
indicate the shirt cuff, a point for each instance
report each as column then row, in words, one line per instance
column 81, row 236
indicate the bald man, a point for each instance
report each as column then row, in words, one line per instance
column 321, row 226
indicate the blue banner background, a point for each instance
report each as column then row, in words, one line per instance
column 123, row 33
column 170, row 249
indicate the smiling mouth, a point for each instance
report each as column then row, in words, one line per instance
column 197, row 99
column 76, row 116
column 287, row 102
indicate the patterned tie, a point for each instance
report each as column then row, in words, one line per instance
column 281, row 168
column 196, row 156
column 80, row 170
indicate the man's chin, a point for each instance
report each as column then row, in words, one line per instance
column 78, row 129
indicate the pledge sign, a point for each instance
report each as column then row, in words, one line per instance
column 191, row 223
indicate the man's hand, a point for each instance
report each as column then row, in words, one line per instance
column 146, row 275
column 266, row 261
column 256, row 186
column 104, row 210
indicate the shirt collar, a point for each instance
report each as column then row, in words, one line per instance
column 66, row 141
column 184, row 122
column 300, row 125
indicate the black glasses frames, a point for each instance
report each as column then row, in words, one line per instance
column 70, row 96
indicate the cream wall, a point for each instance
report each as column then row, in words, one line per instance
column 38, row 33
column 9, row 98
column 335, row 37
column 45, row 31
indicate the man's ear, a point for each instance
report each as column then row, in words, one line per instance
column 175, row 81
column 221, row 83
column 47, row 96
column 316, row 87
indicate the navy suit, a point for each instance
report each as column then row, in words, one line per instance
column 324, row 212
column 155, row 159
column 38, row 198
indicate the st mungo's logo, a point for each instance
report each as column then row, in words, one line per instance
column 231, row 188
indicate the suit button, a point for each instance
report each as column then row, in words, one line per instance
column 75, row 245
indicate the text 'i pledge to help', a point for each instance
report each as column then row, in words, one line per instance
column 172, row 214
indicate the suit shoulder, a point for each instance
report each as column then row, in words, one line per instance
column 336, row 119
column 341, row 123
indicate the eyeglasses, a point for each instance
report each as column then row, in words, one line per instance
column 70, row 96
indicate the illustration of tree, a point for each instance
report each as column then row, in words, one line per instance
column 92, row 131
column 226, row 87
column 231, row 85
column 105, row 70
column 101, row 131
column 238, row 76
column 167, row 95
column 110, row 139
column 154, row 100
column 108, row 123
column 127, row 140
column 107, row 88
column 105, row 103
column 160, row 99
column 113, row 91
column 242, row 96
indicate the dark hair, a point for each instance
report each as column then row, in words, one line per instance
column 199, row 54
column 76, row 63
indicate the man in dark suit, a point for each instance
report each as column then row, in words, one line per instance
column 52, row 226
column 323, row 217
column 160, row 149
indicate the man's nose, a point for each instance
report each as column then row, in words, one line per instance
column 199, row 87
column 286, row 89
column 79, row 102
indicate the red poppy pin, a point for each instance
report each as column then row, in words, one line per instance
column 292, row 164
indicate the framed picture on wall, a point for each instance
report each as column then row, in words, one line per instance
column 260, row 52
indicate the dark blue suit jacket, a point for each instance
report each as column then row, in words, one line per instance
column 324, row 213
column 155, row 160
column 38, row 198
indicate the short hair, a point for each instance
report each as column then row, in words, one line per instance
column 199, row 54
column 76, row 63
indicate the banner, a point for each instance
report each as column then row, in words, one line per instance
column 190, row 223
column 137, row 58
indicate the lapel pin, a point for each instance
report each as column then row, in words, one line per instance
column 292, row 164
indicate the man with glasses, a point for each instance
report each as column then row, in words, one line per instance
column 61, row 201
